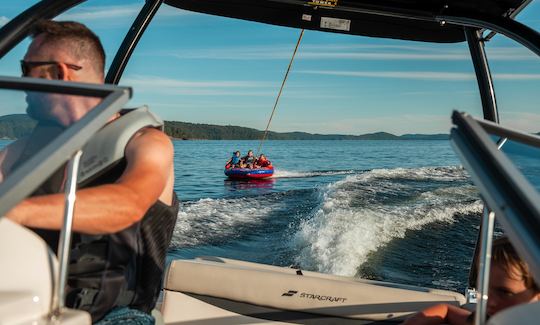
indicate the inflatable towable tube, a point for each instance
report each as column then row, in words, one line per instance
column 248, row 173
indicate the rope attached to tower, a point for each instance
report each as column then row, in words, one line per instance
column 279, row 94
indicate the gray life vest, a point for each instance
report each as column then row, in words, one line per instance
column 124, row 268
column 107, row 146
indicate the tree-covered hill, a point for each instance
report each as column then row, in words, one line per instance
column 15, row 126
column 184, row 130
column 18, row 125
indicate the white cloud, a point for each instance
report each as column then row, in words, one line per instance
column 116, row 11
column 424, row 93
column 345, row 52
column 144, row 84
column 417, row 75
column 422, row 75
column 4, row 20
column 159, row 85
column 524, row 121
column 516, row 76
column 101, row 12
column 397, row 124
column 159, row 82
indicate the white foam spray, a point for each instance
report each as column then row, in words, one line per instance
column 206, row 219
column 354, row 217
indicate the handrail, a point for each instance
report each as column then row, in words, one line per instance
column 496, row 129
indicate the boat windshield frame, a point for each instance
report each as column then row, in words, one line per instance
column 26, row 178
column 503, row 188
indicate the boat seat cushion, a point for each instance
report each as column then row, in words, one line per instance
column 291, row 289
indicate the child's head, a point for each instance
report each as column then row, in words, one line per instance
column 510, row 282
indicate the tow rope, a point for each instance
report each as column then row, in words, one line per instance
column 279, row 94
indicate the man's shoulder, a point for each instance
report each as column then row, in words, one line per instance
column 152, row 135
column 150, row 139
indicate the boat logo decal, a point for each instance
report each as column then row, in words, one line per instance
column 313, row 296
column 323, row 3
column 89, row 164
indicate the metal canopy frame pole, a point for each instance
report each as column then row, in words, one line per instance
column 483, row 74
column 19, row 27
column 512, row 29
column 484, row 265
column 489, row 107
column 131, row 40
column 512, row 15
column 64, row 245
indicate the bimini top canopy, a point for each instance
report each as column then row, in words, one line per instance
column 419, row 20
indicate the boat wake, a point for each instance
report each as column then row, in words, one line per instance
column 315, row 173
column 333, row 228
column 208, row 220
column 363, row 212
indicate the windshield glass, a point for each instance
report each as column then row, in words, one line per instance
column 30, row 120
column 516, row 77
column 529, row 16
column 354, row 208
column 40, row 130
column 228, row 72
column 526, row 158
column 110, row 20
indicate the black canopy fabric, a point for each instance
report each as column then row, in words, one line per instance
column 399, row 19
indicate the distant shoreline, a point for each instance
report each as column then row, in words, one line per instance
column 184, row 139
column 192, row 131
column 19, row 125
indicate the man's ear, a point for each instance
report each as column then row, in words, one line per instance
column 63, row 72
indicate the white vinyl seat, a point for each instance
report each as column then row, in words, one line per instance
column 200, row 283
column 27, row 278
column 525, row 314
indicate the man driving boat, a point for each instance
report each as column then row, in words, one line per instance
column 123, row 219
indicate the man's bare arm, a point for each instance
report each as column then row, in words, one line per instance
column 439, row 314
column 112, row 207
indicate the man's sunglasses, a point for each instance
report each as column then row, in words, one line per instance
column 27, row 66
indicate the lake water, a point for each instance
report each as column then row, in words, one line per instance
column 400, row 211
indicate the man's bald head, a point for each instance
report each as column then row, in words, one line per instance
column 72, row 38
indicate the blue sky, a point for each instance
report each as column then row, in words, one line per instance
column 203, row 69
